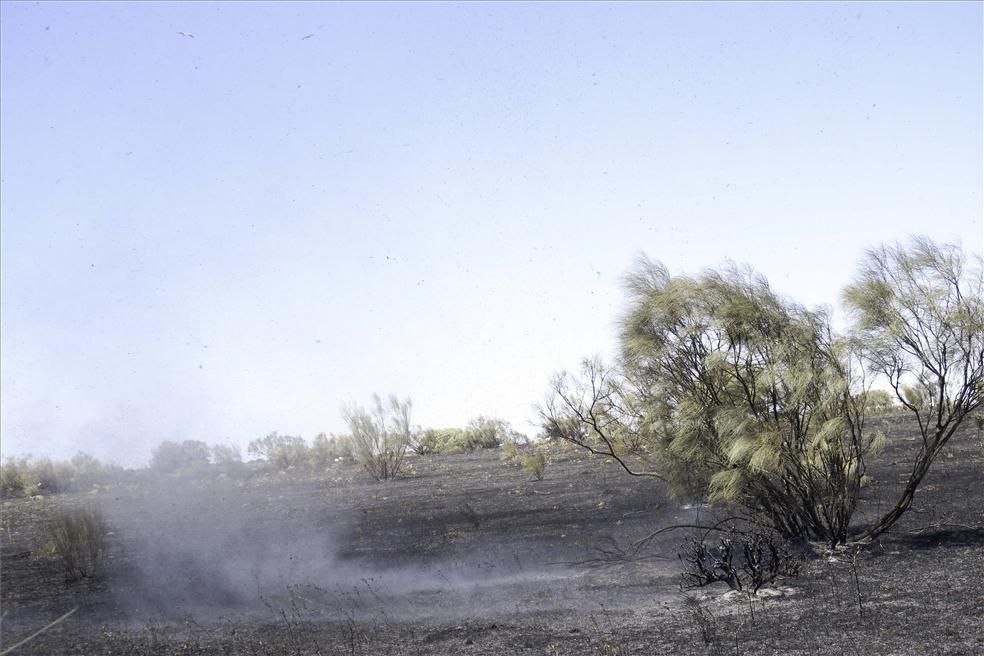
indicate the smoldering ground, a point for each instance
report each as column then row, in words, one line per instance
column 212, row 547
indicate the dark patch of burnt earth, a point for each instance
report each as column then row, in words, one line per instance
column 463, row 555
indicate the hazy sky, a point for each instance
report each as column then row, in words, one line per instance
column 219, row 236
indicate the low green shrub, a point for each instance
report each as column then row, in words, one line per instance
column 25, row 476
column 534, row 464
column 480, row 433
column 77, row 539
column 431, row 441
column 511, row 453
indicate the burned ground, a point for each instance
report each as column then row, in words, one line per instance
column 465, row 555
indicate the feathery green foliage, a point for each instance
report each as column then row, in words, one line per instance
column 480, row 433
column 728, row 391
column 381, row 435
column 919, row 313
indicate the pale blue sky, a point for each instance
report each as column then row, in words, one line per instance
column 221, row 236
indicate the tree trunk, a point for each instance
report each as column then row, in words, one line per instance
column 922, row 465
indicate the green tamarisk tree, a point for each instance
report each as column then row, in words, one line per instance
column 919, row 315
column 729, row 392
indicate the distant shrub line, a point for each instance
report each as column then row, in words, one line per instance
column 27, row 477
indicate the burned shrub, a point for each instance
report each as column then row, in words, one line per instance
column 744, row 560
column 979, row 421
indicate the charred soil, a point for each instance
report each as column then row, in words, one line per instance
column 464, row 555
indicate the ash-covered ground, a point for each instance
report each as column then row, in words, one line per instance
column 464, row 554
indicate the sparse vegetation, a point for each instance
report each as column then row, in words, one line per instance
column 283, row 451
column 534, row 464
column 919, row 316
column 226, row 454
column 461, row 510
column 702, row 617
column 430, row 441
column 26, row 476
column 170, row 457
column 878, row 401
column 480, row 433
column 76, row 539
column 381, row 436
column 326, row 449
column 16, row 478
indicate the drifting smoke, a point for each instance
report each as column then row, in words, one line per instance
column 201, row 546
column 220, row 547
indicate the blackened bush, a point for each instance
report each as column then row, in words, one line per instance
column 743, row 560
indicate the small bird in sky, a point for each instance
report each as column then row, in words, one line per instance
column 187, row 34
column 307, row 37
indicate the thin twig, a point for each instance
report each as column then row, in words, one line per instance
column 38, row 632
